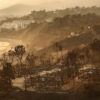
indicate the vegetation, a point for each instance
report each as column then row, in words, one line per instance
column 7, row 74
column 65, row 62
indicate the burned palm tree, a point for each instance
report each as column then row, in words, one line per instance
column 30, row 60
column 71, row 62
column 58, row 48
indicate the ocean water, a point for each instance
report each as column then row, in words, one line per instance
column 4, row 47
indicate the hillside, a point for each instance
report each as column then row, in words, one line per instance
column 42, row 35
column 16, row 10
column 72, row 29
column 35, row 10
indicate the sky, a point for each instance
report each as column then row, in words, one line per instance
column 59, row 3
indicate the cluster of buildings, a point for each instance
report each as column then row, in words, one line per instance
column 19, row 24
column 16, row 24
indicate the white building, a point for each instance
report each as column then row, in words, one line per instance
column 16, row 24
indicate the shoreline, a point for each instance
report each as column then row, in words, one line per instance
column 6, row 44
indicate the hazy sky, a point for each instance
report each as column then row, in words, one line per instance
column 59, row 3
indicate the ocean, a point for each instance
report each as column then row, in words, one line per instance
column 4, row 47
